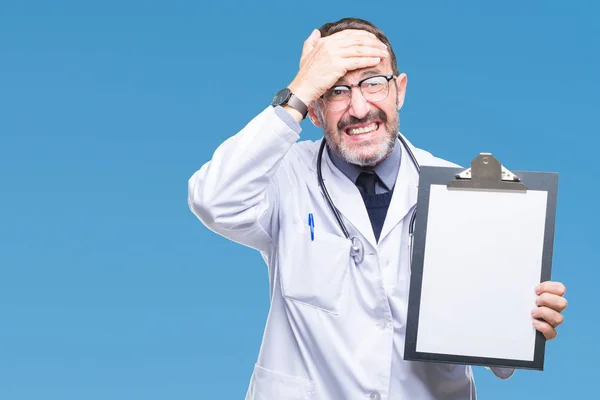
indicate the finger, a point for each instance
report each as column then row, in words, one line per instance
column 552, row 317
column 363, row 51
column 348, row 33
column 360, row 41
column 552, row 301
column 551, row 287
column 351, row 35
column 353, row 63
column 548, row 331
column 310, row 42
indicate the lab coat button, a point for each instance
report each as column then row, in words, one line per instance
column 375, row 396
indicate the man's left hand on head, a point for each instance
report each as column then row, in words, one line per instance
column 550, row 305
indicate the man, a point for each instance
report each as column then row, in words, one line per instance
column 336, row 324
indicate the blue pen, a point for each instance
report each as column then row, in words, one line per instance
column 311, row 223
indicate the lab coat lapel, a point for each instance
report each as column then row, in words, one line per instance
column 405, row 193
column 347, row 199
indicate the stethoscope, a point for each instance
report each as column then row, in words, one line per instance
column 357, row 248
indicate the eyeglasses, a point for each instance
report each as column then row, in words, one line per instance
column 374, row 89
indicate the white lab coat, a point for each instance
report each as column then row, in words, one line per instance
column 335, row 330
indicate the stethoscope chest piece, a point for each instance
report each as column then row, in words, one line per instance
column 357, row 251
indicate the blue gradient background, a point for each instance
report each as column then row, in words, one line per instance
column 109, row 286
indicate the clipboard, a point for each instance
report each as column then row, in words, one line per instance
column 483, row 240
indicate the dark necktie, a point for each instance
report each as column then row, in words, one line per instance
column 366, row 182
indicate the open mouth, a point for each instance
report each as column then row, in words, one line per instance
column 361, row 130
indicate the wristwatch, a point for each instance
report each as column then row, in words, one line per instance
column 286, row 97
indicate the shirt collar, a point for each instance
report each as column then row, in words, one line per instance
column 387, row 170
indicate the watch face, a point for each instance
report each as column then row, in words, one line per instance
column 281, row 97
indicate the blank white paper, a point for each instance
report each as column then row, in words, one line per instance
column 483, row 259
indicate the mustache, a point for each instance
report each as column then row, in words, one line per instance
column 371, row 116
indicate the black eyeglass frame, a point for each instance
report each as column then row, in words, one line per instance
column 388, row 78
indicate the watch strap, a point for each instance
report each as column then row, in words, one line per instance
column 299, row 105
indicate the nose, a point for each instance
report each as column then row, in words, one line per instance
column 359, row 106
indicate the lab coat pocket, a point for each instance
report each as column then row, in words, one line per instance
column 271, row 385
column 314, row 269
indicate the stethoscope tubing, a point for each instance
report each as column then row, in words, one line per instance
column 336, row 212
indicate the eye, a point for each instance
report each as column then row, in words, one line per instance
column 374, row 84
column 338, row 91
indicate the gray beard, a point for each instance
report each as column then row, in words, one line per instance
column 385, row 148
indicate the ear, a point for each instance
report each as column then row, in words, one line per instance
column 401, row 81
column 314, row 114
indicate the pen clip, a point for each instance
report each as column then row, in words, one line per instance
column 311, row 224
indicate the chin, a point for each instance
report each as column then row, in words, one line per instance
column 366, row 153
column 365, row 156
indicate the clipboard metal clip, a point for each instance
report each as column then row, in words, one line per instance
column 486, row 173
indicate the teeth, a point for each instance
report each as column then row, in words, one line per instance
column 366, row 129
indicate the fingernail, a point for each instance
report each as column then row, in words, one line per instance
column 536, row 323
column 537, row 289
column 534, row 312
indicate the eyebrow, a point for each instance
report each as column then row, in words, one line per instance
column 364, row 74
column 373, row 71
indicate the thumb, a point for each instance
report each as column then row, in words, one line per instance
column 311, row 42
